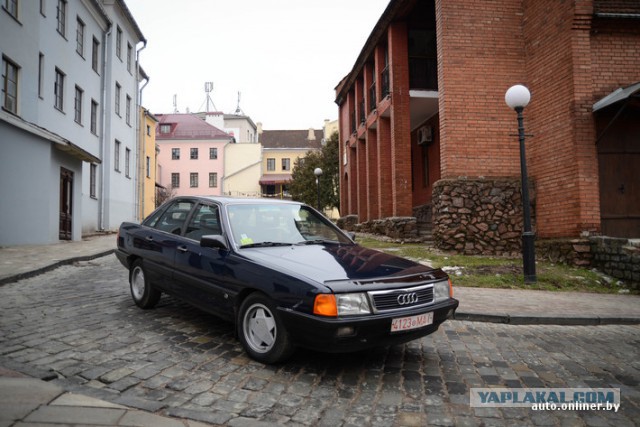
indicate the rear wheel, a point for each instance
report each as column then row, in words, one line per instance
column 142, row 292
column 261, row 331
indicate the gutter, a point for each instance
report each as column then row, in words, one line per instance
column 103, row 127
column 139, row 179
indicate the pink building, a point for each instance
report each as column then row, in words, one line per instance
column 191, row 158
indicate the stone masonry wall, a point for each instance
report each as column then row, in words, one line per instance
column 479, row 216
column 619, row 258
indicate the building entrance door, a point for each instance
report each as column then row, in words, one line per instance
column 66, row 204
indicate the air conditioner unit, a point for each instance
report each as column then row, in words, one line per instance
column 425, row 135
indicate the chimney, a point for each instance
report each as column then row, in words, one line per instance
column 259, row 128
column 312, row 135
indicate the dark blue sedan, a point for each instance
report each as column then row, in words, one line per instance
column 283, row 273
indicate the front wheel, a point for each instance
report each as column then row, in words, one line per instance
column 142, row 292
column 261, row 331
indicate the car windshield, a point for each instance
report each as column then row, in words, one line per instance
column 264, row 224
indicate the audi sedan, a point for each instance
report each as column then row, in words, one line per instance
column 283, row 273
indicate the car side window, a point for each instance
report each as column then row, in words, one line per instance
column 204, row 221
column 174, row 217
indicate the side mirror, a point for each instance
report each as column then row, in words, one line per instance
column 215, row 241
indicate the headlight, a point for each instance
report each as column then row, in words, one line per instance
column 441, row 291
column 350, row 304
column 341, row 304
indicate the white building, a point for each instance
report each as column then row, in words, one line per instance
column 68, row 118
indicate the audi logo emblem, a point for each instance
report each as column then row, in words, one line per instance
column 406, row 299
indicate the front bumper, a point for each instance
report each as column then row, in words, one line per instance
column 323, row 333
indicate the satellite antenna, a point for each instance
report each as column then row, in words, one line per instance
column 238, row 109
column 208, row 88
column 175, row 103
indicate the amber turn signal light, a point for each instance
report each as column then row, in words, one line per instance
column 325, row 305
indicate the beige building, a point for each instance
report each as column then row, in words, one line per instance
column 242, row 169
column 281, row 149
column 147, row 163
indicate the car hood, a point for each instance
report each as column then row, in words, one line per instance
column 344, row 267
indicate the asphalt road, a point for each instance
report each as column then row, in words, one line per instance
column 78, row 326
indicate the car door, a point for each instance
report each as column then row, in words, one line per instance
column 201, row 273
column 157, row 240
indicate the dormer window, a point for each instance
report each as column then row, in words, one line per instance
column 165, row 128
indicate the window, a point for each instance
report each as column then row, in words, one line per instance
column 92, row 180
column 148, row 167
column 119, row 43
column 175, row 180
column 213, row 153
column 271, row 164
column 61, row 16
column 173, row 219
column 58, row 90
column 213, row 179
column 41, row 75
column 193, row 179
column 193, row 154
column 129, row 56
column 165, row 128
column 204, row 221
column 11, row 6
column 94, row 117
column 148, row 130
column 95, row 55
column 77, row 105
column 117, row 102
column 116, row 156
column 286, row 164
column 128, row 110
column 127, row 161
column 80, row 37
column 175, row 154
column 9, row 86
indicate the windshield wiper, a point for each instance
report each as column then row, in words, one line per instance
column 319, row 242
column 264, row 244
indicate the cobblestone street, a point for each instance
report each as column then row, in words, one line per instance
column 78, row 326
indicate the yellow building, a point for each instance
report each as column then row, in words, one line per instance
column 147, row 163
column 280, row 150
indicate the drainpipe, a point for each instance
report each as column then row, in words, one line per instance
column 103, row 128
column 139, row 180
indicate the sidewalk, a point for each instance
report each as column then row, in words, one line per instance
column 37, row 402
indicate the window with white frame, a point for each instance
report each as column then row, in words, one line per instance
column 119, row 42
column 41, row 75
column 116, row 156
column 175, row 180
column 9, row 85
column 213, row 179
column 61, row 17
column 129, row 56
column 58, row 90
column 148, row 167
column 193, row 179
column 80, row 37
column 95, row 55
column 127, row 162
column 11, row 6
column 128, row 110
column 213, row 153
column 92, row 180
column 94, row 117
column 117, row 101
column 77, row 105
column 175, row 154
column 286, row 164
column 193, row 154
column 271, row 164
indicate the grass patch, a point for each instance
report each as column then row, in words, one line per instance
column 500, row 272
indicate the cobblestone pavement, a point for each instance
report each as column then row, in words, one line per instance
column 78, row 326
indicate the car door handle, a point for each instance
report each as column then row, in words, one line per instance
column 182, row 249
column 149, row 238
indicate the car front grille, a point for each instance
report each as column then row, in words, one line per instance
column 401, row 299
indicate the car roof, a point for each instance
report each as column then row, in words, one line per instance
column 227, row 200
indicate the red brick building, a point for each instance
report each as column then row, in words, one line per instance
column 425, row 129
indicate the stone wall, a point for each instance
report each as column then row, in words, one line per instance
column 619, row 258
column 479, row 216
column 402, row 228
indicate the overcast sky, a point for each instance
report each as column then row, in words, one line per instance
column 285, row 57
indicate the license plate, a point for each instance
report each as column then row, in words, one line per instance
column 411, row 322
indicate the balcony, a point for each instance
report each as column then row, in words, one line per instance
column 423, row 73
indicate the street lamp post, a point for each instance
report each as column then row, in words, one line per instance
column 518, row 97
column 317, row 172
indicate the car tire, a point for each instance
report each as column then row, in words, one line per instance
column 142, row 292
column 261, row 331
